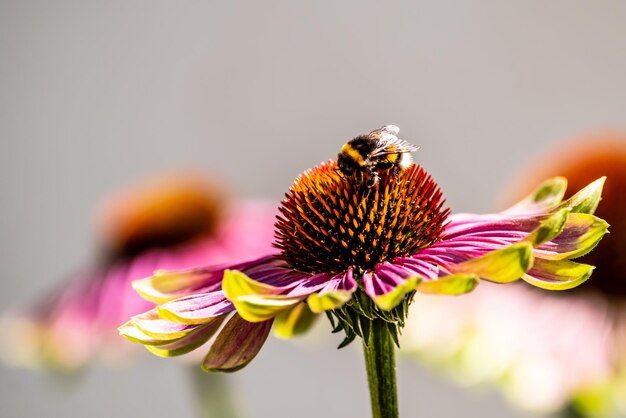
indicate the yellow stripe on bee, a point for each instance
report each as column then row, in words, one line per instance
column 352, row 153
column 392, row 158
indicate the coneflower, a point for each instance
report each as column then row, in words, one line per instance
column 358, row 250
column 174, row 220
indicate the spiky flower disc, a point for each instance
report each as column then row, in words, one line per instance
column 331, row 223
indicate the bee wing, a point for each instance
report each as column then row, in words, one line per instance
column 389, row 129
column 389, row 143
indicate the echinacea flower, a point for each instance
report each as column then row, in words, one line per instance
column 357, row 250
column 548, row 352
column 176, row 220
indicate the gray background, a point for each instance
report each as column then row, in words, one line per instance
column 94, row 94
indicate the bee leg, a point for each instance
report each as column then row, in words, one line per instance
column 395, row 171
column 372, row 178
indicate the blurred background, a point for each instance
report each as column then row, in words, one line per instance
column 96, row 94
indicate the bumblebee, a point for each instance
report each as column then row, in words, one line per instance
column 374, row 152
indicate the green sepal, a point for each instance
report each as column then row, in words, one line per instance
column 355, row 317
column 549, row 228
column 454, row 284
column 501, row 266
column 348, row 339
column 254, row 301
column 363, row 305
column 295, row 321
column 562, row 274
column 392, row 299
column 366, row 327
column 330, row 300
column 586, row 200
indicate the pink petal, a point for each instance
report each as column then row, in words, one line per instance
column 236, row 345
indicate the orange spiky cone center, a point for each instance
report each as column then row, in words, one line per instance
column 329, row 222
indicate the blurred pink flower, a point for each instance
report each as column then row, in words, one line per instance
column 174, row 221
column 549, row 352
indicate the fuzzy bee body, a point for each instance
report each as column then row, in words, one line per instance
column 374, row 152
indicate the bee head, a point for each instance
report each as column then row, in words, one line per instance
column 345, row 164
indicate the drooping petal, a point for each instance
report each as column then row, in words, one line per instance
column 557, row 274
column 500, row 266
column 453, row 284
column 549, row 228
column 196, row 309
column 334, row 294
column 151, row 324
column 545, row 197
column 189, row 342
column 167, row 285
column 581, row 233
column 389, row 283
column 255, row 301
column 295, row 321
column 587, row 199
column 134, row 334
column 236, row 345
column 165, row 338
column 267, row 288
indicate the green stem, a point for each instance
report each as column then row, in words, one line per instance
column 380, row 362
column 212, row 394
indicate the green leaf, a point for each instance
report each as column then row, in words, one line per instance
column 587, row 199
column 254, row 301
column 390, row 300
column 557, row 274
column 454, row 284
column 500, row 266
column 295, row 321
